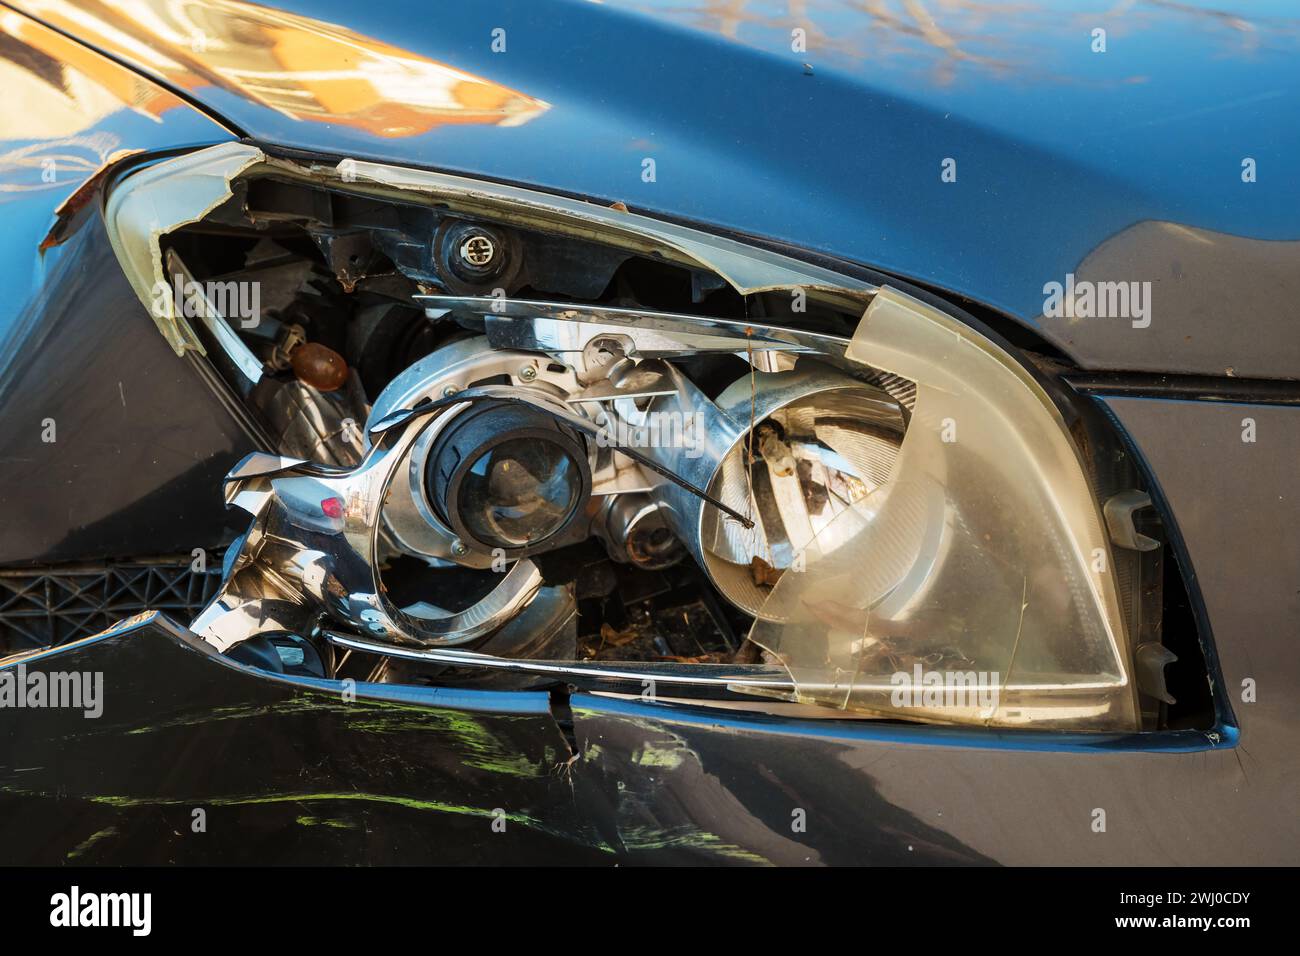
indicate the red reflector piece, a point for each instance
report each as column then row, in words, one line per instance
column 332, row 507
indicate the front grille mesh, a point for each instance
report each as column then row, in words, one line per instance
column 40, row 607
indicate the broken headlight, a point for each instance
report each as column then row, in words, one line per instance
column 884, row 499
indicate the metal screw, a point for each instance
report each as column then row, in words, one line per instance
column 449, row 390
column 478, row 250
column 458, row 547
column 528, row 373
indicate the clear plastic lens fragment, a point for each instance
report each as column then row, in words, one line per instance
column 974, row 586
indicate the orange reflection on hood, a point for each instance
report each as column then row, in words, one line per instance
column 382, row 89
column 63, row 87
column 303, row 68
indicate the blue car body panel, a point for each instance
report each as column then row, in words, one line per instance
column 834, row 142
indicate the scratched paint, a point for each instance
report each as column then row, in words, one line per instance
column 90, row 841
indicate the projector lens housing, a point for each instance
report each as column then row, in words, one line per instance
column 505, row 476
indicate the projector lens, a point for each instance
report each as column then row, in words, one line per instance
column 519, row 492
column 508, row 476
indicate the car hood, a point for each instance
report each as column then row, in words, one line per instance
column 986, row 150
